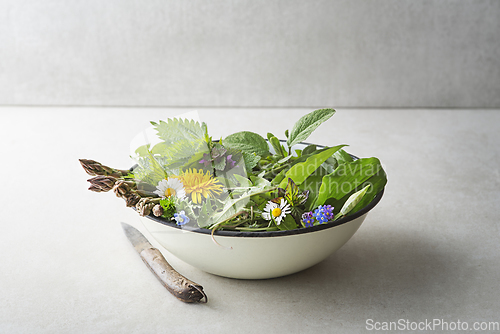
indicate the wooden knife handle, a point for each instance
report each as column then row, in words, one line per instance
column 178, row 285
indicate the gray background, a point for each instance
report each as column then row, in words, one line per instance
column 429, row 250
column 340, row 53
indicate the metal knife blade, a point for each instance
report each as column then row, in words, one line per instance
column 137, row 239
column 178, row 285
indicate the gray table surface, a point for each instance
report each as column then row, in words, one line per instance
column 429, row 251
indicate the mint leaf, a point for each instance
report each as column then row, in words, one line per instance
column 248, row 142
column 251, row 160
column 307, row 124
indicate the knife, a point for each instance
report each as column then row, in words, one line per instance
column 178, row 285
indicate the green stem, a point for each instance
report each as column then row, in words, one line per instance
column 156, row 164
column 239, row 199
column 251, row 229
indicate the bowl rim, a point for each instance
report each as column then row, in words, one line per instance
column 280, row 233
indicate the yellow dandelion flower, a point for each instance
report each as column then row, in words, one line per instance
column 198, row 184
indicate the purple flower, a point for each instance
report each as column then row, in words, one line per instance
column 207, row 160
column 308, row 219
column 328, row 211
column 230, row 163
column 323, row 213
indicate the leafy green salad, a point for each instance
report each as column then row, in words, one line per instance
column 243, row 182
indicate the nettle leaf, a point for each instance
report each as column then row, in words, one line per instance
column 247, row 142
column 307, row 124
column 184, row 149
column 207, row 211
column 175, row 129
column 149, row 170
column 301, row 171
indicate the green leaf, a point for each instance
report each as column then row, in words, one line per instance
column 232, row 206
column 278, row 178
column 259, row 183
column 288, row 223
column 313, row 184
column 348, row 178
column 251, row 160
column 247, row 142
column 293, row 195
column 309, row 149
column 143, row 151
column 207, row 211
column 377, row 183
column 342, row 157
column 176, row 129
column 285, row 159
column 277, row 146
column 220, row 164
column 243, row 181
column 307, row 124
column 353, row 200
column 301, row 171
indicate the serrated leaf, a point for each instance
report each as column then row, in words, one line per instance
column 251, row 160
column 247, row 142
column 220, row 164
column 307, row 124
column 206, row 213
column 177, row 129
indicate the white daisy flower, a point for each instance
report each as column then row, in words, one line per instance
column 170, row 187
column 276, row 211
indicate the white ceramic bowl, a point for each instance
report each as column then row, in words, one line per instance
column 256, row 255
